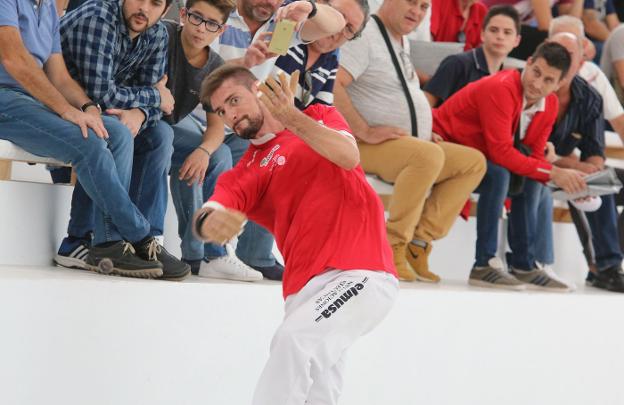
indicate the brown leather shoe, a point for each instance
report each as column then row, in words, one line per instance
column 403, row 270
column 418, row 259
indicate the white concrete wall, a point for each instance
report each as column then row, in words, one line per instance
column 71, row 337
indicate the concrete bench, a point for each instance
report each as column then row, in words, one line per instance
column 9, row 153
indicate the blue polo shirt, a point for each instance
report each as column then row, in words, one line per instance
column 455, row 72
column 38, row 26
column 582, row 126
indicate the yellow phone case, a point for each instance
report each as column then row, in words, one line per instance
column 282, row 36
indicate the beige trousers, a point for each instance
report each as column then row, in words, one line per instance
column 449, row 171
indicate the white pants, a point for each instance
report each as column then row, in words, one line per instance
column 321, row 322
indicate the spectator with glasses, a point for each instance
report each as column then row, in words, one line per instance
column 317, row 62
column 199, row 156
column 431, row 181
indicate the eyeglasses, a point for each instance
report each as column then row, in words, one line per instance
column 197, row 20
column 408, row 68
column 349, row 34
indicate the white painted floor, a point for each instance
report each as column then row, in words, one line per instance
column 74, row 337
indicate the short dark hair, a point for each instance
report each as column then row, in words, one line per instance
column 555, row 56
column 214, row 80
column 504, row 10
column 224, row 6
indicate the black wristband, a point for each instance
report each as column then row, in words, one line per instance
column 90, row 104
column 200, row 221
column 314, row 9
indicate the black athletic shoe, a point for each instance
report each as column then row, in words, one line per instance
column 121, row 259
column 275, row 272
column 173, row 268
column 611, row 279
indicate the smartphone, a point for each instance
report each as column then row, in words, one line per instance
column 282, row 36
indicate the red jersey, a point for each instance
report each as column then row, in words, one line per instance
column 485, row 115
column 322, row 216
column 447, row 20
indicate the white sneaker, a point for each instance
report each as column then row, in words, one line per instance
column 228, row 267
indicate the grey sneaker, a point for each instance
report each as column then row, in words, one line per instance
column 494, row 276
column 121, row 259
column 539, row 279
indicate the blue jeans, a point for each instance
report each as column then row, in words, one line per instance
column 102, row 166
column 492, row 193
column 544, row 245
column 604, row 233
column 522, row 231
column 153, row 148
column 255, row 244
column 188, row 199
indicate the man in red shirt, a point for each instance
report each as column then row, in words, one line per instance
column 301, row 179
column 457, row 21
column 487, row 115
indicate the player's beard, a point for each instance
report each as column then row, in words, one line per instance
column 253, row 126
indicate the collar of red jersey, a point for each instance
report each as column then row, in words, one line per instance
column 263, row 139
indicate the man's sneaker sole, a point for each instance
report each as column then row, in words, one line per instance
column 535, row 287
column 224, row 276
column 485, row 284
column 70, row 262
column 105, row 266
column 176, row 278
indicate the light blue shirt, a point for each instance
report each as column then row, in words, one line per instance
column 38, row 26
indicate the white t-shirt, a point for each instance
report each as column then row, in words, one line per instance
column 612, row 51
column 528, row 114
column 376, row 91
column 598, row 80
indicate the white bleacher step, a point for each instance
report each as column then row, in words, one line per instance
column 72, row 337
column 10, row 151
column 381, row 187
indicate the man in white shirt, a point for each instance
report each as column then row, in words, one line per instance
column 431, row 181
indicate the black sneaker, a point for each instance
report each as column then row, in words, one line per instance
column 121, row 259
column 173, row 269
column 611, row 279
column 72, row 253
column 275, row 272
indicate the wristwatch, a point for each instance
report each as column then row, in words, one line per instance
column 314, row 9
column 90, row 104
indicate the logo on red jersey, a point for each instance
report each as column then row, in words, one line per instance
column 265, row 161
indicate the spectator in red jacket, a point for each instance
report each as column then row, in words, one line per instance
column 509, row 117
column 457, row 21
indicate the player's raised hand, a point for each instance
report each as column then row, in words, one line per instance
column 278, row 97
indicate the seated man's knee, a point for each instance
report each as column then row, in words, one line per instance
column 496, row 174
column 428, row 154
column 161, row 137
column 119, row 136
